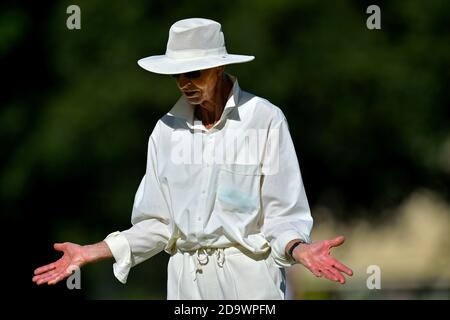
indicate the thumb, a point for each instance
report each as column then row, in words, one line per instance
column 58, row 246
column 336, row 241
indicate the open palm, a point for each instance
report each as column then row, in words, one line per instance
column 316, row 257
column 54, row 272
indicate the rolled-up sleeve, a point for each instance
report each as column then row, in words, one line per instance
column 285, row 206
column 150, row 221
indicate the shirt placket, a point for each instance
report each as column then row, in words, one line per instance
column 208, row 162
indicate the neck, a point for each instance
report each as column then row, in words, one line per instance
column 210, row 111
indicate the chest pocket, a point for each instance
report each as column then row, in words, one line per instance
column 239, row 188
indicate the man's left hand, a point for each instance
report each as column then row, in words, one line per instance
column 316, row 257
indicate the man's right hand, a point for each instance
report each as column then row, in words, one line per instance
column 74, row 256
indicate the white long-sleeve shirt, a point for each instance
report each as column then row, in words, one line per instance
column 237, row 183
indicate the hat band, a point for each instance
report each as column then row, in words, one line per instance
column 195, row 53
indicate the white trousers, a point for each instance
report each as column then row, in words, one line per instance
column 224, row 274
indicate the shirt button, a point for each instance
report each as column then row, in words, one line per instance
column 199, row 219
column 203, row 191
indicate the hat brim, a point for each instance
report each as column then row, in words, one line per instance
column 164, row 65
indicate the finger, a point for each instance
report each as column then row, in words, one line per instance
column 53, row 279
column 43, row 277
column 316, row 272
column 56, row 278
column 329, row 275
column 59, row 277
column 323, row 268
column 59, row 246
column 341, row 267
column 339, row 277
column 336, row 241
column 45, row 268
column 46, row 275
column 46, row 279
column 39, row 277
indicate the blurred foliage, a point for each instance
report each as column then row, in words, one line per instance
column 368, row 110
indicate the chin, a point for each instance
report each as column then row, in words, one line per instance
column 194, row 101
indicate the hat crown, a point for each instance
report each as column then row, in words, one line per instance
column 193, row 44
column 194, row 36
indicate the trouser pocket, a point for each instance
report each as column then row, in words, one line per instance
column 255, row 277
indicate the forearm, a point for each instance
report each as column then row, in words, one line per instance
column 96, row 252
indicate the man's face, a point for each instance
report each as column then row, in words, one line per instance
column 199, row 86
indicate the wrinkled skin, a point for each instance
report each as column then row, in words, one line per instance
column 317, row 259
column 74, row 256
column 207, row 92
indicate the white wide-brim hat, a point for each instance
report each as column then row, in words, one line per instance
column 194, row 44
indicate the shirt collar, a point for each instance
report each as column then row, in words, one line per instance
column 185, row 111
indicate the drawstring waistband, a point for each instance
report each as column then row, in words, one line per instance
column 202, row 256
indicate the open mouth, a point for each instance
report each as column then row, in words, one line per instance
column 190, row 94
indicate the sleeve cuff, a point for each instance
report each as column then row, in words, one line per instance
column 120, row 249
column 279, row 247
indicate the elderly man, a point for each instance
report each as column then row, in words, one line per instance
column 222, row 193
